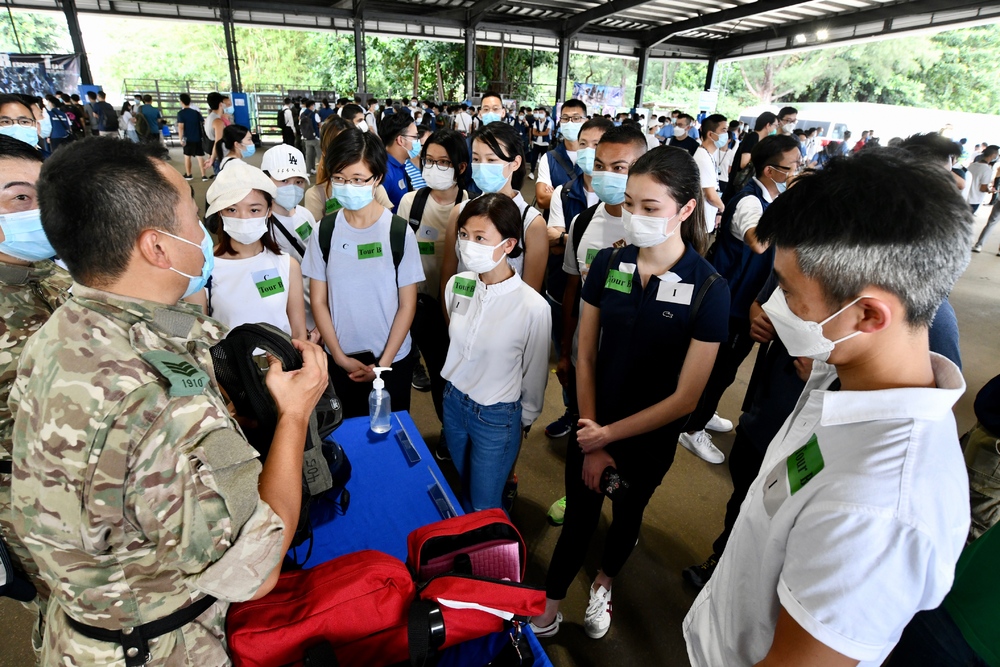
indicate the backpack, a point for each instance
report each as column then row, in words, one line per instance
column 397, row 237
column 325, row 468
column 109, row 118
column 142, row 127
column 420, row 202
column 281, row 118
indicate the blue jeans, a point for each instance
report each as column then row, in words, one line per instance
column 483, row 441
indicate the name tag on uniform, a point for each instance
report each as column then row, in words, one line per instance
column 332, row 205
column 426, row 247
column 268, row 282
column 304, row 230
column 463, row 288
column 619, row 281
column 402, row 184
column 591, row 254
column 675, row 293
column 184, row 377
column 370, row 250
column 789, row 476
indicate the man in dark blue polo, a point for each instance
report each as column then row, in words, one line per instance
column 399, row 134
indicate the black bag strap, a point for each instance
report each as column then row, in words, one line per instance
column 425, row 631
column 580, row 225
column 6, row 467
column 135, row 640
column 417, row 210
column 565, row 163
column 699, row 297
column 208, row 292
column 397, row 237
column 16, row 586
column 295, row 242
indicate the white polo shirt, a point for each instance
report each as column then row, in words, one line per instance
column 708, row 169
column 854, row 523
column 748, row 213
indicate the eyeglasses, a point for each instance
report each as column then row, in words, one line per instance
column 7, row 121
column 571, row 119
column 443, row 165
column 410, row 137
column 340, row 180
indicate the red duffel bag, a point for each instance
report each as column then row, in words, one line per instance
column 358, row 603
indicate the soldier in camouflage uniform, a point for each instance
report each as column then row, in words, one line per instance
column 31, row 287
column 134, row 489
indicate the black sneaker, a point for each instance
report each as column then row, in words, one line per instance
column 561, row 426
column 509, row 493
column 421, row 381
column 188, row 177
column 441, row 452
column 698, row 575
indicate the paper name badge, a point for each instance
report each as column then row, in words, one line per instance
column 304, row 230
column 268, row 282
column 332, row 205
column 789, row 476
column 463, row 288
column 370, row 250
column 675, row 293
column 426, row 247
column 619, row 281
column 591, row 254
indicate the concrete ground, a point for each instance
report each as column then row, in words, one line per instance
column 683, row 518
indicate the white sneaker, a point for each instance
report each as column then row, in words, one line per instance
column 700, row 444
column 718, row 424
column 531, row 175
column 977, row 248
column 597, row 619
column 549, row 630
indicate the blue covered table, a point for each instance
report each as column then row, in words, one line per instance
column 389, row 499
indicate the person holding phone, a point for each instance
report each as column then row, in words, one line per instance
column 497, row 363
column 362, row 301
column 653, row 316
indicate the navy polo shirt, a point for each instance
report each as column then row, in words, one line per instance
column 396, row 182
column 192, row 124
column 645, row 332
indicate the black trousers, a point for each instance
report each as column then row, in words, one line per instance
column 430, row 332
column 727, row 364
column 537, row 152
column 643, row 468
column 744, row 465
column 288, row 136
column 354, row 395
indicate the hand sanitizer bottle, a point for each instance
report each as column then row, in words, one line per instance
column 378, row 403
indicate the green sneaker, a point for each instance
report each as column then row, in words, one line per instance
column 558, row 512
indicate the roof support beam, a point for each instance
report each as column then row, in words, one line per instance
column 657, row 35
column 73, row 24
column 474, row 15
column 575, row 24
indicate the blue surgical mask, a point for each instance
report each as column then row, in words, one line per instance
column 24, row 237
column 195, row 283
column 289, row 196
column 570, row 131
column 780, row 187
column 609, row 186
column 248, row 151
column 26, row 134
column 585, row 160
column 230, row 109
column 414, row 151
column 45, row 126
column 488, row 118
column 722, row 140
column 353, row 197
column 489, row 177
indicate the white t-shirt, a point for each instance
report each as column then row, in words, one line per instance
column 980, row 173
column 604, row 231
column 652, row 142
column 748, row 212
column 556, row 217
column 544, row 174
column 253, row 289
column 854, row 523
column 463, row 122
column 726, row 163
column 361, row 282
column 430, row 238
column 300, row 225
column 709, row 171
column 542, row 126
column 129, row 121
column 516, row 263
column 499, row 350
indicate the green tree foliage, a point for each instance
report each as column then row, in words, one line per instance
column 38, row 32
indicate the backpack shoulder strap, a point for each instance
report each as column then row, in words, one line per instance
column 397, row 239
column 326, row 226
column 699, row 297
column 580, row 225
column 295, row 243
column 417, row 209
column 460, row 197
column 566, row 164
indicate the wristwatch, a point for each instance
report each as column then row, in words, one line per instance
column 562, row 239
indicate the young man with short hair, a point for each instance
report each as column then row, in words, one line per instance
column 189, row 128
column 788, row 117
column 861, row 507
column 107, row 117
column 559, row 164
column 90, row 111
column 399, row 135
column 541, row 137
column 310, row 136
column 714, row 138
column 153, row 118
column 682, row 138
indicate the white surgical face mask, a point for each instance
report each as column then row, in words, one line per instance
column 245, row 230
column 644, row 231
column 679, row 131
column 437, row 179
column 478, row 257
column 788, row 127
column 802, row 338
column 363, row 126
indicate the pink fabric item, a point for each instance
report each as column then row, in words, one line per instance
column 498, row 559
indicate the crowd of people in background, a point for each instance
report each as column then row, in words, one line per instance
column 652, row 255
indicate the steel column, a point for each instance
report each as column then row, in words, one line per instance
column 231, row 52
column 562, row 76
column 711, row 73
column 73, row 23
column 470, row 61
column 360, row 62
column 640, row 79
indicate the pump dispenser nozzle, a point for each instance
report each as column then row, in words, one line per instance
column 379, row 383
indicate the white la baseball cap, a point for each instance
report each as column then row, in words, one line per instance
column 284, row 161
column 236, row 180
